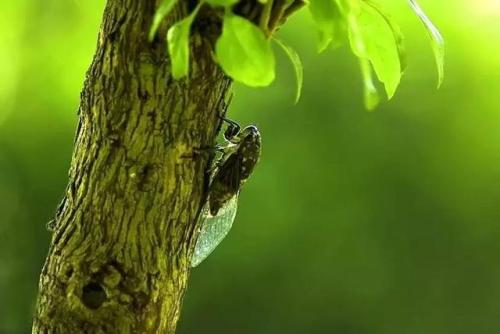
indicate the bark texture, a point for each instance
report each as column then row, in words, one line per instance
column 120, row 252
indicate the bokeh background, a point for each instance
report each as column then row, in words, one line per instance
column 353, row 223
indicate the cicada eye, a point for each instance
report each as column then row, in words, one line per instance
column 231, row 131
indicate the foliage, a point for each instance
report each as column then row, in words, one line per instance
column 178, row 46
column 435, row 37
column 244, row 50
column 297, row 66
column 244, row 53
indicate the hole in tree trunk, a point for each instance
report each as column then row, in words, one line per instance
column 93, row 295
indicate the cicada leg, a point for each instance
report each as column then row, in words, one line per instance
column 233, row 129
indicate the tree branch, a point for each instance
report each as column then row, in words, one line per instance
column 120, row 253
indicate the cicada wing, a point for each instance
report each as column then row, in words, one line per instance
column 213, row 230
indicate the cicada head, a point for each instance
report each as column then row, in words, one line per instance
column 250, row 132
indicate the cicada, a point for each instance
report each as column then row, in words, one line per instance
column 240, row 154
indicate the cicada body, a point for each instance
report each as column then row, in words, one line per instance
column 235, row 167
column 240, row 155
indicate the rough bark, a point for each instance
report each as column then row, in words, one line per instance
column 120, row 252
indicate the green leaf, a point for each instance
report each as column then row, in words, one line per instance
column 437, row 41
column 297, row 66
column 398, row 35
column 178, row 45
column 373, row 38
column 244, row 53
column 328, row 18
column 222, row 3
column 162, row 11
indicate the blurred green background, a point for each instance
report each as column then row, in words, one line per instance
column 353, row 223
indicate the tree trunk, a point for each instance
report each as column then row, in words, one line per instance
column 120, row 252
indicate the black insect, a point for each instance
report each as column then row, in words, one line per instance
column 240, row 154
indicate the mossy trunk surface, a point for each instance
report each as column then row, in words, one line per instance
column 120, row 252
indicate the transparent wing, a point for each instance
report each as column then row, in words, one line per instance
column 213, row 230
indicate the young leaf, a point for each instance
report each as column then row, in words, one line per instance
column 328, row 18
column 374, row 39
column 244, row 53
column 222, row 3
column 398, row 35
column 162, row 11
column 435, row 37
column 297, row 66
column 178, row 45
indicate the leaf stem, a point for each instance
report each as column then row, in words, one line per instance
column 265, row 16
